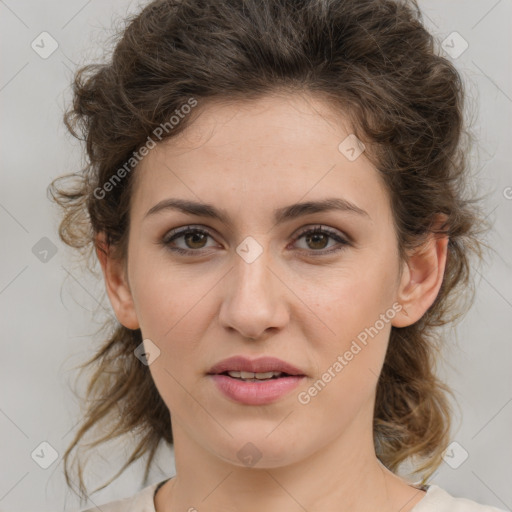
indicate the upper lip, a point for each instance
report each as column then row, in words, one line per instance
column 260, row 365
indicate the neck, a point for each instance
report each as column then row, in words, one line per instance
column 347, row 476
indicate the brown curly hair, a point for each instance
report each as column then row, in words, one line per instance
column 372, row 60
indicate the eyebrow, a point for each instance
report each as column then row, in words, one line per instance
column 281, row 215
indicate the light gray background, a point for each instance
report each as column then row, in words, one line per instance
column 47, row 308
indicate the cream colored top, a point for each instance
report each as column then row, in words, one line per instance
column 435, row 500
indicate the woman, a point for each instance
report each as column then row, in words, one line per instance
column 275, row 194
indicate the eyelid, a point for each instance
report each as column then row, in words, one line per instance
column 321, row 228
column 342, row 240
column 182, row 230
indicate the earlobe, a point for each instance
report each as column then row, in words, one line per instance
column 116, row 284
column 421, row 280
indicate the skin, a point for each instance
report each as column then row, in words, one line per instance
column 292, row 303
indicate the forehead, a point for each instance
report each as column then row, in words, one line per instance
column 278, row 119
column 279, row 147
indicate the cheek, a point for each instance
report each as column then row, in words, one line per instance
column 168, row 299
column 173, row 311
column 352, row 300
column 348, row 367
column 355, row 309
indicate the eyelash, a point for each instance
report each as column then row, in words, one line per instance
column 173, row 235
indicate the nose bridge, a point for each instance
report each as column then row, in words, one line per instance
column 251, row 272
column 251, row 304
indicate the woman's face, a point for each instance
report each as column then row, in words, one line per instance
column 255, row 286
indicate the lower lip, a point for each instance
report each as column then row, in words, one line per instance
column 256, row 393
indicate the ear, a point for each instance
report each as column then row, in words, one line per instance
column 116, row 284
column 422, row 278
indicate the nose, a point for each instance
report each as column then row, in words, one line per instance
column 254, row 301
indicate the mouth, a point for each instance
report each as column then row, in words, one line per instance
column 259, row 381
column 263, row 368
column 256, row 377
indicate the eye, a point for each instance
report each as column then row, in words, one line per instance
column 193, row 238
column 318, row 237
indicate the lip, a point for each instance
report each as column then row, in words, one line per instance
column 255, row 393
column 261, row 364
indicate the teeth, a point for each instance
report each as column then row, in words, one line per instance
column 253, row 376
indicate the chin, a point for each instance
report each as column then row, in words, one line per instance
column 253, row 449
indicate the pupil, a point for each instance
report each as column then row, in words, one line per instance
column 315, row 237
column 191, row 235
